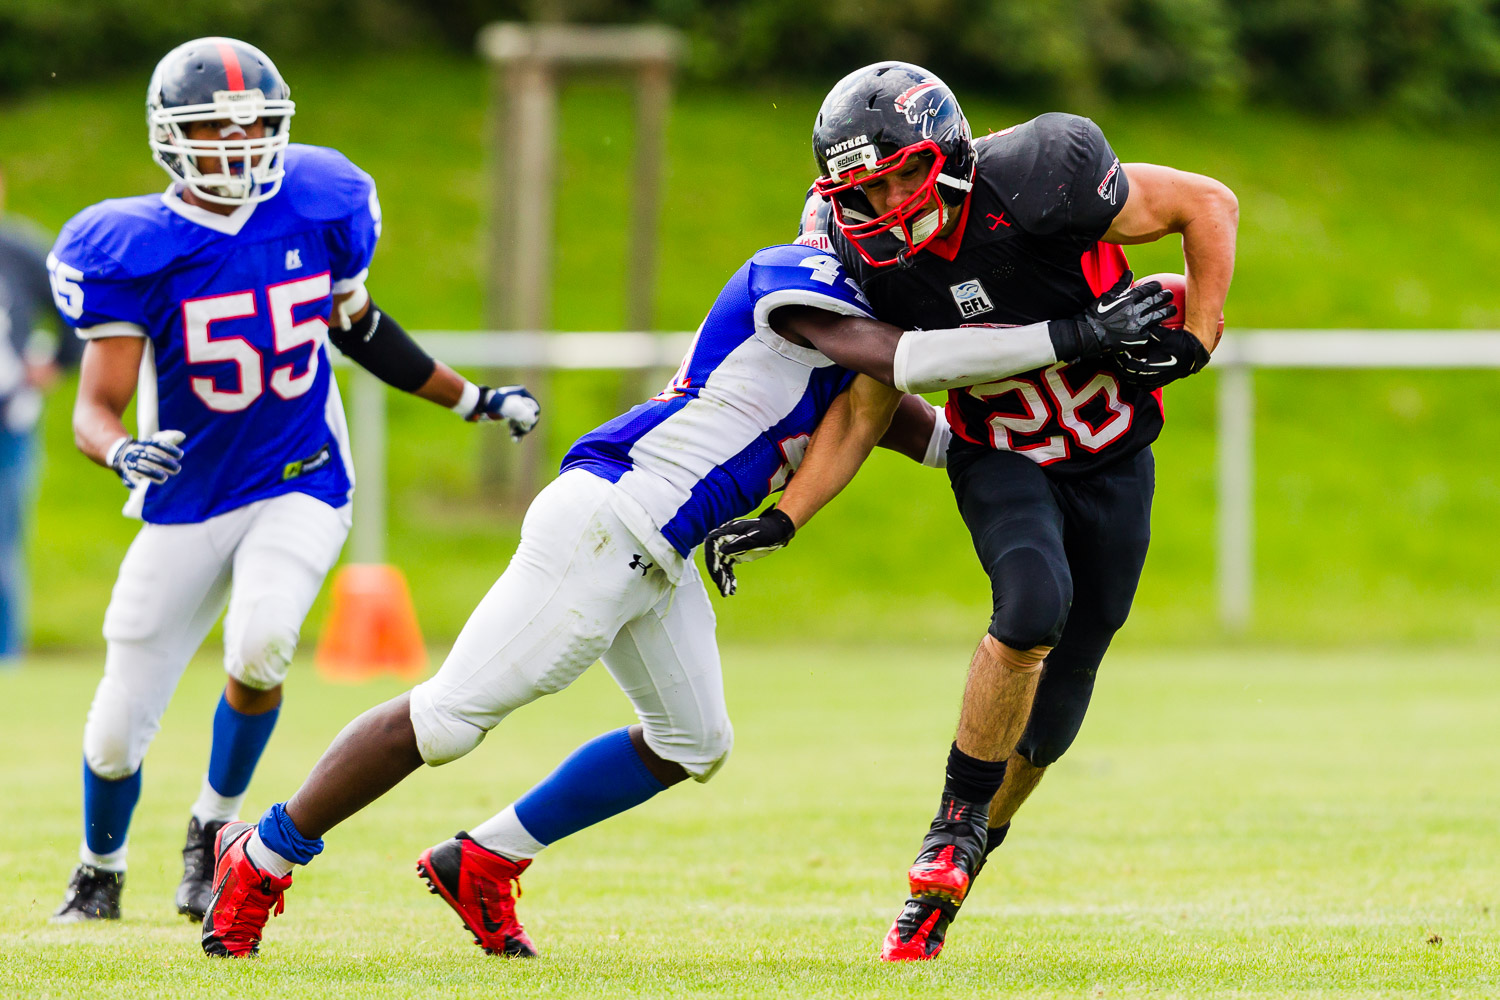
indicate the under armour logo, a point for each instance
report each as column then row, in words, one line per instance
column 999, row 220
column 293, row 259
column 636, row 563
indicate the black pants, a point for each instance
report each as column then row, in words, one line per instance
column 1064, row 557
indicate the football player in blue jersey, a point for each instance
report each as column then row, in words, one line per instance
column 216, row 298
column 604, row 571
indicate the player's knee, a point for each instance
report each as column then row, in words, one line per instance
column 699, row 752
column 442, row 735
column 115, row 738
column 261, row 650
column 1031, row 599
column 1044, row 749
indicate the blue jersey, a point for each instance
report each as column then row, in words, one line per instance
column 236, row 310
column 733, row 423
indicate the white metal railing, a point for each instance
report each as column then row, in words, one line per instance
column 1234, row 362
column 480, row 349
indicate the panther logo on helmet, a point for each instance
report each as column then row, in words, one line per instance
column 907, row 103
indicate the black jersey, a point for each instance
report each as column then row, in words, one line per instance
column 1027, row 249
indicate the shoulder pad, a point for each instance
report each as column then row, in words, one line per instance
column 119, row 239
column 323, row 184
column 793, row 273
column 1033, row 167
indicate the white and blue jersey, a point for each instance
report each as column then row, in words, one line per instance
column 733, row 424
column 236, row 310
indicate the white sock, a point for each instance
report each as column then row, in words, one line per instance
column 505, row 835
column 114, row 861
column 212, row 807
column 266, row 859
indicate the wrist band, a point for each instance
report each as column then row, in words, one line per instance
column 937, row 445
column 467, row 400
column 113, row 451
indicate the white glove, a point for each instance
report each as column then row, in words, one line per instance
column 153, row 460
column 510, row 403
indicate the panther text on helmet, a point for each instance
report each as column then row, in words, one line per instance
column 219, row 119
column 896, row 159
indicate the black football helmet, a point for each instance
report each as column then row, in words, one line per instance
column 871, row 123
column 220, row 79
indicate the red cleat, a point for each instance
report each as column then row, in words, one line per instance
column 918, row 932
column 951, row 855
column 244, row 897
column 939, row 875
column 476, row 882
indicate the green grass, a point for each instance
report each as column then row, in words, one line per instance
column 1376, row 491
column 1266, row 824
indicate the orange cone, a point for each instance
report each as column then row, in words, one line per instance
column 372, row 628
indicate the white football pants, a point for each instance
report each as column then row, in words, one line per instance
column 582, row 587
column 267, row 559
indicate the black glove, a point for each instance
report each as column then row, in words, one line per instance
column 744, row 540
column 1119, row 318
column 1166, row 356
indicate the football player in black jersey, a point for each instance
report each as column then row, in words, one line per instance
column 963, row 242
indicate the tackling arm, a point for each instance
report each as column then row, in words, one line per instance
column 1205, row 212
column 933, row 360
column 844, row 438
column 855, row 421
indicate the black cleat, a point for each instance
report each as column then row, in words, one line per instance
column 196, row 888
column 93, row 894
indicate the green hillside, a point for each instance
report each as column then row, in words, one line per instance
column 1376, row 491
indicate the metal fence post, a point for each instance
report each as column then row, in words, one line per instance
column 1236, row 494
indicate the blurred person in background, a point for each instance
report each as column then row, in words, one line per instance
column 215, row 302
column 32, row 357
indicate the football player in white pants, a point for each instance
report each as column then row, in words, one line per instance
column 604, row 570
column 217, row 295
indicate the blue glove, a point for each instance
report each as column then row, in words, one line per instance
column 153, row 460
column 510, row 403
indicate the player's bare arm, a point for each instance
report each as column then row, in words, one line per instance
column 849, row 431
column 854, row 424
column 106, row 384
column 919, row 431
column 1205, row 213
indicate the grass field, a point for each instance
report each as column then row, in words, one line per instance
column 1376, row 495
column 1267, row 824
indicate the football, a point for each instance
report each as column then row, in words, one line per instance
column 1177, row 285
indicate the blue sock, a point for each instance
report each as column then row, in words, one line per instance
column 238, row 742
column 603, row 777
column 280, row 834
column 107, row 806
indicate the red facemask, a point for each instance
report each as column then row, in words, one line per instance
column 914, row 220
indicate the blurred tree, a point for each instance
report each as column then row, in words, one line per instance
column 1418, row 58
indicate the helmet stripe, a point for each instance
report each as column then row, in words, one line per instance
column 232, row 69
